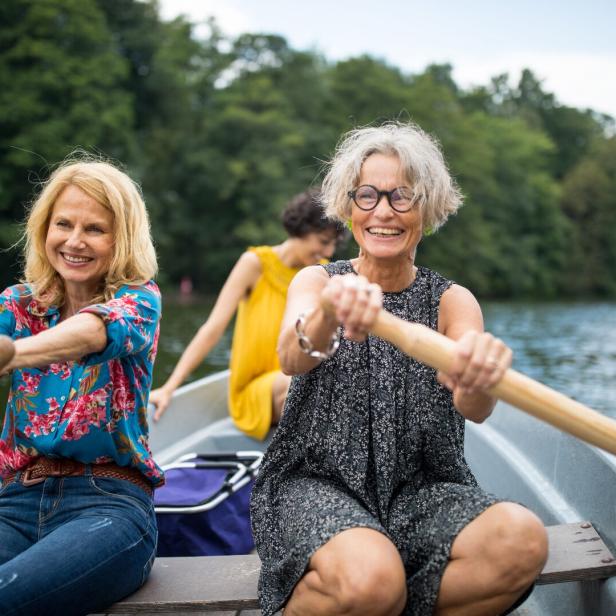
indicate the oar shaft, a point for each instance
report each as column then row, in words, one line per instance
column 436, row 350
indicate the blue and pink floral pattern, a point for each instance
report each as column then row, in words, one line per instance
column 92, row 410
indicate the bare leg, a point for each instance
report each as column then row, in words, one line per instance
column 358, row 572
column 280, row 387
column 493, row 561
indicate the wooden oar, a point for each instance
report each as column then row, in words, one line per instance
column 436, row 350
column 7, row 350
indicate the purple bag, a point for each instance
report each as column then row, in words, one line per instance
column 203, row 508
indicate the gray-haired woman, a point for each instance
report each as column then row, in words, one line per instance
column 365, row 504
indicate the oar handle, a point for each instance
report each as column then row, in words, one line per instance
column 7, row 350
column 436, row 350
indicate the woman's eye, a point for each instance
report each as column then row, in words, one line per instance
column 61, row 223
column 95, row 229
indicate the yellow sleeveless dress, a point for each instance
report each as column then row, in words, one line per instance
column 254, row 362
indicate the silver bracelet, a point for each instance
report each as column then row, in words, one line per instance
column 305, row 344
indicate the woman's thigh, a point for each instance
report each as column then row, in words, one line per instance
column 18, row 520
column 315, row 510
column 85, row 563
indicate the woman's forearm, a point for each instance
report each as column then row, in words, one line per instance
column 476, row 407
column 79, row 335
column 319, row 328
column 199, row 347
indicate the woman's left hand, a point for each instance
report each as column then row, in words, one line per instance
column 480, row 362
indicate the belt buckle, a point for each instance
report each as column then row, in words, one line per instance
column 27, row 480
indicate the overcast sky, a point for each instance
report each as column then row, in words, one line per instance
column 569, row 44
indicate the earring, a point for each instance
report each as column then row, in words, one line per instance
column 428, row 231
column 349, row 224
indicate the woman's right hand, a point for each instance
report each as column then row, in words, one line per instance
column 355, row 302
column 160, row 399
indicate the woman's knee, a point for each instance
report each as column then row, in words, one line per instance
column 518, row 546
column 369, row 581
column 371, row 588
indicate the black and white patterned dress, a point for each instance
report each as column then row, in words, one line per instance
column 369, row 438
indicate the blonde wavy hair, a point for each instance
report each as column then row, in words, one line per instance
column 421, row 159
column 134, row 257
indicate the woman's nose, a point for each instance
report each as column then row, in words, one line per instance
column 75, row 238
column 382, row 208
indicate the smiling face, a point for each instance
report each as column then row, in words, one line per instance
column 80, row 240
column 383, row 233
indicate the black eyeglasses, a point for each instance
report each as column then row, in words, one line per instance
column 367, row 197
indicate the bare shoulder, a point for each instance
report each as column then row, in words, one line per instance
column 458, row 304
column 248, row 268
column 310, row 275
column 250, row 261
column 457, row 295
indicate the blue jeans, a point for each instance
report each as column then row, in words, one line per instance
column 73, row 545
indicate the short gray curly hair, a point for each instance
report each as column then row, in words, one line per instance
column 421, row 159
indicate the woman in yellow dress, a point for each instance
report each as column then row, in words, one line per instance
column 257, row 289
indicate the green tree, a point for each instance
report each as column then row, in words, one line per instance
column 364, row 91
column 589, row 201
column 510, row 238
column 61, row 89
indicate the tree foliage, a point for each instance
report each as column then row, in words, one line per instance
column 221, row 132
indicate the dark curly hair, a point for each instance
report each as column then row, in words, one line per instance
column 304, row 214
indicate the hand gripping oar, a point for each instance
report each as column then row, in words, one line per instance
column 7, row 350
column 436, row 350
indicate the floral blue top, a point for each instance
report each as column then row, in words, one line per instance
column 92, row 410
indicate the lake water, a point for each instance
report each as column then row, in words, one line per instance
column 568, row 346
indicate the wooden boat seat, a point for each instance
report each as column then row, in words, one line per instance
column 228, row 583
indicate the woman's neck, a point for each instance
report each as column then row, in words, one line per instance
column 75, row 299
column 288, row 253
column 391, row 274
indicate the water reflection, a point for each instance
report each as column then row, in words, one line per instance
column 568, row 346
column 180, row 322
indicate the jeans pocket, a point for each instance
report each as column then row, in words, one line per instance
column 118, row 489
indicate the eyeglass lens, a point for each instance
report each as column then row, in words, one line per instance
column 401, row 199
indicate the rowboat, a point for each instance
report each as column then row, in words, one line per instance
column 513, row 455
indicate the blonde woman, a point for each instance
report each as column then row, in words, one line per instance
column 364, row 503
column 77, row 525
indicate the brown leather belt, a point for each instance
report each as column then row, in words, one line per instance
column 41, row 468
